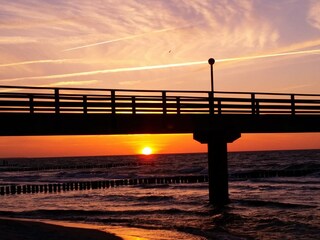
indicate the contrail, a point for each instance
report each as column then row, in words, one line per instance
column 35, row 62
column 123, row 38
column 172, row 65
column 315, row 51
column 115, row 70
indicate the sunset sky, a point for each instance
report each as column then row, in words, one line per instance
column 260, row 46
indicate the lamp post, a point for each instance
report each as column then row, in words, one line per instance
column 211, row 61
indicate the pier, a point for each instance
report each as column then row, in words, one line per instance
column 214, row 118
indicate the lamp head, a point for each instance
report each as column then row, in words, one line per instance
column 211, row 61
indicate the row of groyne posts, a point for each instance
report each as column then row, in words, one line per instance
column 11, row 189
column 88, row 185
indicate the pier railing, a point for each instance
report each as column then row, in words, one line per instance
column 38, row 100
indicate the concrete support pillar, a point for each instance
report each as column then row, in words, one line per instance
column 218, row 172
column 217, row 163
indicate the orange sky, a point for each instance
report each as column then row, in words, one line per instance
column 115, row 43
column 133, row 144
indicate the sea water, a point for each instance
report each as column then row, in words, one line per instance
column 274, row 195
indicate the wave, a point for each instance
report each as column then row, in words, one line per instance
column 80, row 214
column 302, row 229
column 141, row 200
column 282, row 205
column 290, row 172
column 155, row 198
column 17, row 168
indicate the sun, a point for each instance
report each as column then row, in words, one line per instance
column 146, row 151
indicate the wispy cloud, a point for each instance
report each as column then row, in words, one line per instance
column 57, row 84
column 71, row 83
column 314, row 14
column 59, row 61
column 163, row 66
column 123, row 38
column 149, row 35
column 283, row 54
column 295, row 87
column 104, row 71
column 224, row 26
column 129, row 83
column 17, row 40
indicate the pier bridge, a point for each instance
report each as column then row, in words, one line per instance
column 214, row 118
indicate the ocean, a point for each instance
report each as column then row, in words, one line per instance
column 274, row 195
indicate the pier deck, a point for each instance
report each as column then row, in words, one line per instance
column 214, row 118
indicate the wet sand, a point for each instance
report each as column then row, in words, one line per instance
column 14, row 229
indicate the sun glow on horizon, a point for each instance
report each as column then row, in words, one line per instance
column 147, row 151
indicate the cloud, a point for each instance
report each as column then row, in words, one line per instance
column 59, row 61
column 231, row 23
column 56, row 84
column 122, row 39
column 271, row 55
column 295, row 87
column 163, row 66
column 314, row 14
column 222, row 24
column 16, row 40
column 129, row 83
column 145, row 35
column 71, row 83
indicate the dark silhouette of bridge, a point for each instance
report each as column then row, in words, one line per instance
column 214, row 118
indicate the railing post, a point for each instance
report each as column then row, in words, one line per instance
column 178, row 105
column 164, row 105
column 293, row 112
column 211, row 103
column 31, row 103
column 133, row 104
column 56, row 100
column 85, row 105
column 253, row 104
column 257, row 107
column 113, row 102
column 219, row 107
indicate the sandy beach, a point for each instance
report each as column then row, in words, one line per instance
column 16, row 229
